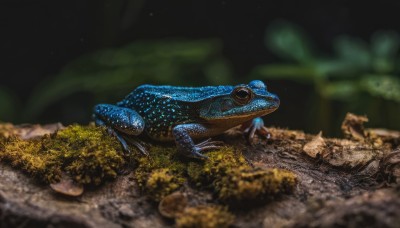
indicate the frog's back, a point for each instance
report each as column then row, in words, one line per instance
column 184, row 94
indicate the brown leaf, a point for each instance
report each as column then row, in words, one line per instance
column 68, row 187
column 315, row 146
column 353, row 126
column 379, row 136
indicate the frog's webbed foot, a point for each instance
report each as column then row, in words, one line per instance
column 209, row 144
column 185, row 143
column 254, row 126
column 204, row 146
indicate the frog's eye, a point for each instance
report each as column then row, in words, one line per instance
column 242, row 95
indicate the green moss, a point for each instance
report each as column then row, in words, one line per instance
column 161, row 183
column 89, row 156
column 226, row 172
column 161, row 172
column 250, row 184
column 218, row 164
column 86, row 153
column 2, row 142
column 233, row 179
column 6, row 129
column 29, row 156
column 205, row 217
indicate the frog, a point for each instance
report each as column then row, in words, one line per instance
column 187, row 114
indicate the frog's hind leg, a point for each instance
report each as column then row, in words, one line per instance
column 120, row 120
column 139, row 145
column 115, row 134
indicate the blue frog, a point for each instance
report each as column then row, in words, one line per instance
column 181, row 114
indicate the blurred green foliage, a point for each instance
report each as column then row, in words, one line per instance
column 9, row 104
column 357, row 72
column 120, row 70
column 355, row 68
column 363, row 77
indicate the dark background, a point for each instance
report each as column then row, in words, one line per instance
column 38, row 38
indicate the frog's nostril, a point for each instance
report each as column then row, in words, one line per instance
column 274, row 99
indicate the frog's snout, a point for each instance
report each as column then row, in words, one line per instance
column 274, row 100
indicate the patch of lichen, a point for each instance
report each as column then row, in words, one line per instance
column 160, row 173
column 234, row 180
column 205, row 217
column 86, row 153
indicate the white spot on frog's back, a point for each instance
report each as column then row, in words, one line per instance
column 166, row 96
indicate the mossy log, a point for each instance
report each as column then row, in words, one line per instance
column 79, row 176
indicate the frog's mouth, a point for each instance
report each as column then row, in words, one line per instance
column 228, row 112
column 231, row 118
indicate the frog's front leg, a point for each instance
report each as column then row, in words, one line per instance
column 253, row 126
column 119, row 119
column 184, row 142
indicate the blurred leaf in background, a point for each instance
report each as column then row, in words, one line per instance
column 356, row 73
column 387, row 87
column 385, row 47
column 120, row 70
column 289, row 42
column 9, row 104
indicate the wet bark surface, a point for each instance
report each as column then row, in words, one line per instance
column 349, row 182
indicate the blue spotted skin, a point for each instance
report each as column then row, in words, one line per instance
column 167, row 113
